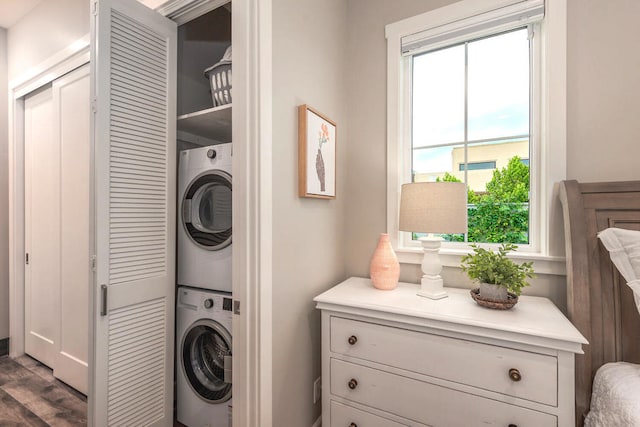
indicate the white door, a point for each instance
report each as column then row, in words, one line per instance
column 57, row 165
column 42, row 227
column 71, row 107
column 133, row 78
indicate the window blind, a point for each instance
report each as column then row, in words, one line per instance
column 500, row 19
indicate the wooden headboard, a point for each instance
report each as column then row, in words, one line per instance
column 599, row 303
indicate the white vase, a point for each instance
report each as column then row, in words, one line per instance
column 493, row 292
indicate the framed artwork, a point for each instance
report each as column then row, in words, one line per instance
column 316, row 154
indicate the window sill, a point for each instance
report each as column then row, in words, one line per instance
column 542, row 264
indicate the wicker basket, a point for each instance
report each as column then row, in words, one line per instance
column 494, row 304
column 219, row 76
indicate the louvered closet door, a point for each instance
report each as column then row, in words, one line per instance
column 133, row 83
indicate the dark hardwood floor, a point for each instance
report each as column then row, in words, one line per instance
column 31, row 396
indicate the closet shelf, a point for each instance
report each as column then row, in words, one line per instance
column 213, row 123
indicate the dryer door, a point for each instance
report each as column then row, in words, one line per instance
column 206, row 210
column 206, row 355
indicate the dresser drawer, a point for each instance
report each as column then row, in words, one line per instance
column 424, row 402
column 480, row 365
column 346, row 416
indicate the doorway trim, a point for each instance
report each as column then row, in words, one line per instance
column 253, row 177
column 68, row 59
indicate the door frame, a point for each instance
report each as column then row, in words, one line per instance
column 252, row 250
column 68, row 59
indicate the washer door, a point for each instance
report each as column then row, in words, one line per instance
column 206, row 210
column 204, row 348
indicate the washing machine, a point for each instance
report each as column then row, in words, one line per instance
column 204, row 211
column 203, row 358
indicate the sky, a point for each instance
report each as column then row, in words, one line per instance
column 497, row 96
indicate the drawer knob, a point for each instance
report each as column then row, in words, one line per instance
column 513, row 425
column 352, row 384
column 353, row 425
column 514, row 374
column 352, row 340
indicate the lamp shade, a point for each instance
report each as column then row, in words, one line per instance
column 434, row 207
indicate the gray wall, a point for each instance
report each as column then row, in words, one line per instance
column 309, row 66
column 4, row 188
column 367, row 152
column 604, row 90
column 603, row 107
column 47, row 29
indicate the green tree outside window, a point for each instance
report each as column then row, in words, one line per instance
column 501, row 214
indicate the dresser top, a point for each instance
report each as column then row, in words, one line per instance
column 534, row 320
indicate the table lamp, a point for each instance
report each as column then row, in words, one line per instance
column 433, row 207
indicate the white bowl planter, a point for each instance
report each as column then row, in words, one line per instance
column 493, row 292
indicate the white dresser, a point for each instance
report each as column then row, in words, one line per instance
column 392, row 358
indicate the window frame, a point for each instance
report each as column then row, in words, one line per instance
column 548, row 123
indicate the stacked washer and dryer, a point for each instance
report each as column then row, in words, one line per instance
column 204, row 303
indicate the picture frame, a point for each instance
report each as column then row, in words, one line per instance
column 317, row 136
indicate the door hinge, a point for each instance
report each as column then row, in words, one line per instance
column 236, row 306
column 94, row 105
column 26, row 258
column 94, row 8
column 103, row 300
column 93, row 263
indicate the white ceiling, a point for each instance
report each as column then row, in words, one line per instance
column 12, row 10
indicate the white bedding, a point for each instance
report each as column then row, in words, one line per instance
column 615, row 400
column 624, row 249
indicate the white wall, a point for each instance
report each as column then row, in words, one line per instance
column 309, row 67
column 47, row 29
column 4, row 188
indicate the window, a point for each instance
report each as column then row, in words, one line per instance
column 472, row 101
column 471, row 98
column 476, row 166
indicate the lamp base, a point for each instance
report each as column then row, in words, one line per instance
column 431, row 284
column 432, row 288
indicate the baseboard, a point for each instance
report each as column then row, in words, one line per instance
column 318, row 422
column 4, row 347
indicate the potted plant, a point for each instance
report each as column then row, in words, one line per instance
column 496, row 273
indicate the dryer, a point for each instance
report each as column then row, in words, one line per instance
column 204, row 208
column 203, row 356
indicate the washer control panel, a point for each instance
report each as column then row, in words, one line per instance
column 205, row 301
